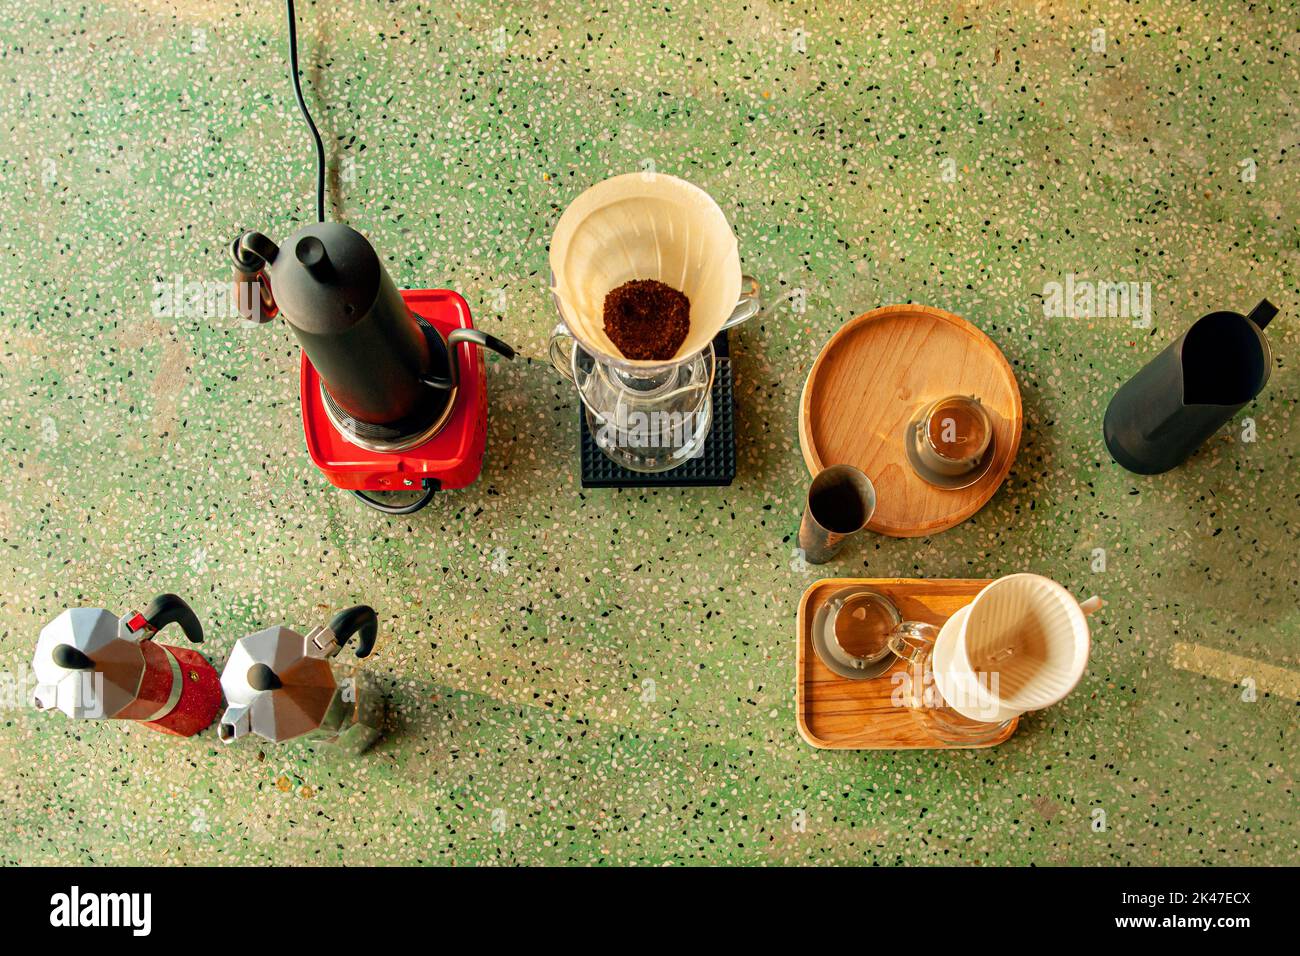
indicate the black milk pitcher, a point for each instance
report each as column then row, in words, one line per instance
column 1189, row 391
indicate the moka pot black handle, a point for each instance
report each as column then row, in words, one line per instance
column 169, row 609
column 360, row 618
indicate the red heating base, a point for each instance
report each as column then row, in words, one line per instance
column 453, row 457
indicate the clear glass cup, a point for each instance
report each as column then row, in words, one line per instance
column 949, row 441
column 851, row 634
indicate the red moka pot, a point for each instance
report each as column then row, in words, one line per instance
column 92, row 665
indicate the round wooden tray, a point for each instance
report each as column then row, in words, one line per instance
column 871, row 380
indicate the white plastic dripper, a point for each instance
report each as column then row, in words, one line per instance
column 644, row 226
column 1021, row 645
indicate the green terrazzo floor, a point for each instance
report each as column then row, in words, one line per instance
column 607, row 676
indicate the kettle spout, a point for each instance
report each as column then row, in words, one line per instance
column 235, row 723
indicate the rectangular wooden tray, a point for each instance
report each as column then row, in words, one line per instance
column 838, row 714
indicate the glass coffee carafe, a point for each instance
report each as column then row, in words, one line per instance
column 860, row 634
column 917, row 688
column 645, row 415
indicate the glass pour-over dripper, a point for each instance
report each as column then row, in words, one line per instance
column 645, row 415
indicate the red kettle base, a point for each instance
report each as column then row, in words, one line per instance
column 451, row 459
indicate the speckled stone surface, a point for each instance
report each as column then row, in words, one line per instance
column 606, row 676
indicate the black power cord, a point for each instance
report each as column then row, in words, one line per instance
column 430, row 489
column 302, row 106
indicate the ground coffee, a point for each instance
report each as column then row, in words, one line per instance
column 647, row 320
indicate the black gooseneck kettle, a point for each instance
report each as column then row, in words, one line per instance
column 380, row 363
column 388, row 377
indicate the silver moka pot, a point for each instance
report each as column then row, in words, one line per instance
column 280, row 685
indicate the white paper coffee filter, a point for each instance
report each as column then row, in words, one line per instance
column 1032, row 633
column 644, row 226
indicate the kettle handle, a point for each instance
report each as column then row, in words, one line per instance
column 361, row 617
column 169, row 609
column 251, row 253
column 1262, row 314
